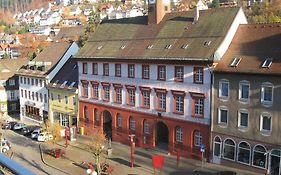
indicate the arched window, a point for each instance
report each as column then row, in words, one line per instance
column 197, row 138
column 217, row 146
column 146, row 129
column 275, row 158
column 86, row 114
column 119, row 121
column 132, row 124
column 179, row 134
column 259, row 156
column 96, row 115
column 244, row 153
column 229, row 149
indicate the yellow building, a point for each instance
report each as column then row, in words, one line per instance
column 63, row 96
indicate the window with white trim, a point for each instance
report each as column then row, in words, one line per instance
column 223, row 89
column 179, row 134
column 197, row 138
column 96, row 91
column 118, row 70
column 179, row 72
column 198, row 73
column 85, row 89
column 259, row 156
column 229, row 148
column 161, row 101
column 223, row 116
column 118, row 95
column 145, row 71
column 265, row 123
column 244, row 153
column 179, row 103
column 106, row 93
column 12, row 82
column 146, row 99
column 267, row 93
column 131, row 71
column 131, row 97
column 198, row 107
column 217, row 146
column 162, row 72
column 105, row 69
column 132, row 124
column 244, row 91
column 243, row 119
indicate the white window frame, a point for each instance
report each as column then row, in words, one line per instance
column 145, row 71
column 106, row 93
column 132, row 97
column 146, row 127
column 265, row 114
column 198, row 138
column 96, row 91
column 220, row 89
column 241, row 84
column 179, row 73
column 219, row 116
column 131, row 70
column 179, row 134
column 220, row 145
column 230, row 145
column 239, row 119
column 146, row 99
column 162, row 101
column 237, row 152
column 199, row 74
column 162, row 72
column 13, row 95
column 12, row 82
column 118, row 93
column 266, row 85
column 132, row 124
column 266, row 154
column 179, row 103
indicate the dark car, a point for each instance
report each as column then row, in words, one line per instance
column 9, row 125
column 28, row 129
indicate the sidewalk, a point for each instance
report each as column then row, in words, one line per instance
column 77, row 152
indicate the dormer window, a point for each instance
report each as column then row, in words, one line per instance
column 55, row 83
column 235, row 62
column 150, row 46
column 62, row 85
column 267, row 63
column 99, row 47
column 207, row 43
column 122, row 47
column 168, row 46
column 72, row 84
column 184, row 46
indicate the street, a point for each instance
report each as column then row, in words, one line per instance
column 26, row 152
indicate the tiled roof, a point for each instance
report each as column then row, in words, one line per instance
column 176, row 29
column 52, row 54
column 254, row 43
column 8, row 67
column 67, row 75
column 70, row 33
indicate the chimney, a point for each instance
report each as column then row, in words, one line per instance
column 156, row 11
column 196, row 14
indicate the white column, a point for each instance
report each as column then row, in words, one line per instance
column 138, row 98
column 124, row 97
column 100, row 92
column 169, row 102
column 111, row 94
column 153, row 99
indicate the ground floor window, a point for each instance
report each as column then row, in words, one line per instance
column 63, row 119
column 244, row 153
column 229, row 149
column 259, row 156
column 275, row 156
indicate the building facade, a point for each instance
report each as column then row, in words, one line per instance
column 151, row 76
column 246, row 107
column 63, row 97
column 37, row 74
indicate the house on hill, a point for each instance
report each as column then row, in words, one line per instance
column 151, row 76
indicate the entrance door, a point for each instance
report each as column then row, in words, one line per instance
column 217, row 150
column 162, row 139
column 107, row 124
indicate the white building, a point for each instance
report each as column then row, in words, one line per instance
column 35, row 76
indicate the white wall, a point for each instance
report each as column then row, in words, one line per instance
column 187, row 86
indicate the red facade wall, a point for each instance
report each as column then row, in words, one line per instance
column 122, row 134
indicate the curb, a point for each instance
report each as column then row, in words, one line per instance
column 41, row 155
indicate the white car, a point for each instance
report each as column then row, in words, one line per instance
column 5, row 146
column 44, row 136
column 35, row 133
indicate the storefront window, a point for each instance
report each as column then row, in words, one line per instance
column 259, row 156
column 229, row 149
column 244, row 153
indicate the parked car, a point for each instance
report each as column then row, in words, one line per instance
column 5, row 145
column 35, row 133
column 29, row 129
column 19, row 126
column 44, row 136
column 9, row 125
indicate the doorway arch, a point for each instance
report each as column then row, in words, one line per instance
column 162, row 136
column 107, row 124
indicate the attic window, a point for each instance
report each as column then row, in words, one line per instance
column 122, row 47
column 64, row 83
column 168, row 46
column 74, row 67
column 150, row 46
column 55, row 83
column 207, row 43
column 235, row 62
column 184, row 46
column 72, row 84
column 267, row 63
column 99, row 47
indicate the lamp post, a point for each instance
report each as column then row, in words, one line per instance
column 132, row 149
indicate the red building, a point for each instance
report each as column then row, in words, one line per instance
column 151, row 76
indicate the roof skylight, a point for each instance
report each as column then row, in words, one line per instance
column 123, row 47
column 99, row 47
column 235, row 62
column 168, row 46
column 207, row 43
column 267, row 63
column 184, row 46
column 150, row 46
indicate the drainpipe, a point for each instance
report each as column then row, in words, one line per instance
column 210, row 106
